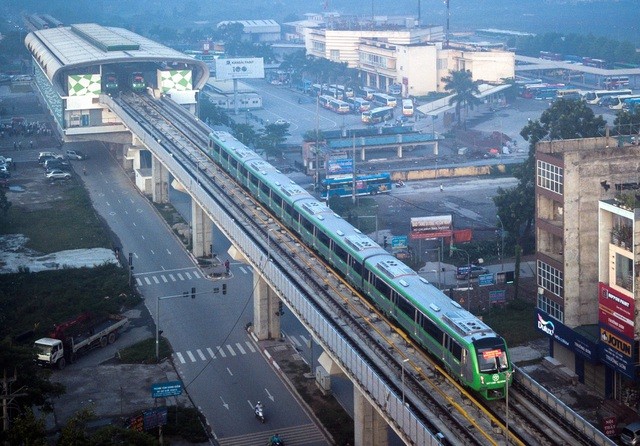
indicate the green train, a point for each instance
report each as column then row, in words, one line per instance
column 468, row 349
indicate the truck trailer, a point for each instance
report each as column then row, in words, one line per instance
column 72, row 338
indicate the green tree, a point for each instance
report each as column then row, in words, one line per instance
column 627, row 122
column 464, row 90
column 272, row 136
column 27, row 430
column 5, row 204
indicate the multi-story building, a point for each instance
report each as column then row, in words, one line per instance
column 588, row 260
column 410, row 56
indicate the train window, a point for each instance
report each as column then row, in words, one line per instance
column 254, row 180
column 216, row 149
column 243, row 173
column 278, row 201
column 264, row 188
column 405, row 306
column 383, row 288
column 306, row 224
column 295, row 215
column 356, row 266
column 432, row 329
column 455, row 349
column 323, row 238
column 340, row 252
column 234, row 163
column 288, row 209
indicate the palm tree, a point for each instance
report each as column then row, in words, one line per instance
column 464, row 88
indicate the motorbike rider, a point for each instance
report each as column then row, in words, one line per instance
column 275, row 440
column 259, row 407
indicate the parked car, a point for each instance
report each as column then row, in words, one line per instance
column 56, row 163
column 473, row 271
column 43, row 156
column 6, row 160
column 280, row 122
column 76, row 155
column 630, row 435
column 57, row 174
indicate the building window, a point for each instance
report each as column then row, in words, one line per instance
column 550, row 307
column 550, row 279
column 335, row 55
column 624, row 272
column 550, row 177
column 442, row 64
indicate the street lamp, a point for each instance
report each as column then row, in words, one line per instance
column 453, row 248
column 403, row 362
column 506, row 400
column 439, row 270
column 501, row 242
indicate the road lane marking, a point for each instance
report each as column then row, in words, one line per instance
column 233, row 353
column 213, row 355
column 195, row 273
column 188, row 276
column 155, row 279
column 242, row 350
column 173, row 279
column 139, row 282
column 164, row 279
column 180, row 357
column 191, row 357
column 221, row 351
column 250, row 346
column 244, row 271
column 152, row 252
column 202, row 356
column 180, row 276
column 146, row 279
column 168, row 252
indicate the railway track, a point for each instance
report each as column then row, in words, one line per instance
column 442, row 404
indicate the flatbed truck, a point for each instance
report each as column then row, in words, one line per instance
column 75, row 337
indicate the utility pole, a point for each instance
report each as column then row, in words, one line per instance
column 353, row 171
column 446, row 43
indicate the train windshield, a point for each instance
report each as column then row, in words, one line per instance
column 492, row 355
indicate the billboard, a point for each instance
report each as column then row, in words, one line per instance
column 616, row 311
column 437, row 223
column 175, row 80
column 340, row 167
column 84, row 84
column 566, row 337
column 245, row 68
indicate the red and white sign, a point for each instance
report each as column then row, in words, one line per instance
column 616, row 311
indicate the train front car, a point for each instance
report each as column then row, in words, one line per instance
column 467, row 348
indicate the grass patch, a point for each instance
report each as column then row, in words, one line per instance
column 71, row 223
column 186, row 423
column 361, row 216
column 144, row 352
column 37, row 301
column 514, row 321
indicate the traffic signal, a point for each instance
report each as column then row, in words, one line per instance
column 280, row 311
column 384, row 241
column 224, row 288
column 193, row 292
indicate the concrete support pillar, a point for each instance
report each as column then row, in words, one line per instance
column 399, row 151
column 266, row 319
column 362, row 154
column 160, row 181
column 370, row 429
column 201, row 231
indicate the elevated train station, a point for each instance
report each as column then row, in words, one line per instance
column 74, row 65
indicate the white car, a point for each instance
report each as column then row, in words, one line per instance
column 280, row 122
column 57, row 174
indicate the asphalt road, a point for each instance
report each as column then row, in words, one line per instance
column 220, row 366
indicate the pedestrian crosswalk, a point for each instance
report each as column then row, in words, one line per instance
column 304, row 434
column 160, row 277
column 209, row 353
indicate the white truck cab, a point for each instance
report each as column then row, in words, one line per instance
column 50, row 352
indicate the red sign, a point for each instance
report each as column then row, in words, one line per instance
column 616, row 311
column 490, row 354
column 609, row 426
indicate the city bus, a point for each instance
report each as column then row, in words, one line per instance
column 618, row 102
column 569, row 94
column 372, row 184
column 346, row 92
column 594, row 97
column 529, row 91
column 407, row 107
column 545, row 93
column 377, row 115
column 339, row 106
column 366, row 93
column 358, row 104
column 384, row 99
column 324, row 101
column 615, row 82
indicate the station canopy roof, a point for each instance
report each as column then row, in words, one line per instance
column 81, row 46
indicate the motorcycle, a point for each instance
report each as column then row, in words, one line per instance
column 275, row 440
column 259, row 411
column 399, row 183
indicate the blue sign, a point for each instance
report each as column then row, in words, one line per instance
column 497, row 297
column 566, row 337
column 169, row 388
column 399, row 241
column 339, row 166
column 485, row 279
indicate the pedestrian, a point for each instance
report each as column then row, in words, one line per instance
column 441, row 188
column 226, row 266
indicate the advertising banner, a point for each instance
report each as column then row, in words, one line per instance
column 566, row 337
column 616, row 311
column 338, row 167
column 245, row 68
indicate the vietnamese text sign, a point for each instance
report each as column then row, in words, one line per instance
column 155, row 417
column 169, row 388
column 616, row 310
column 485, row 279
column 399, row 241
